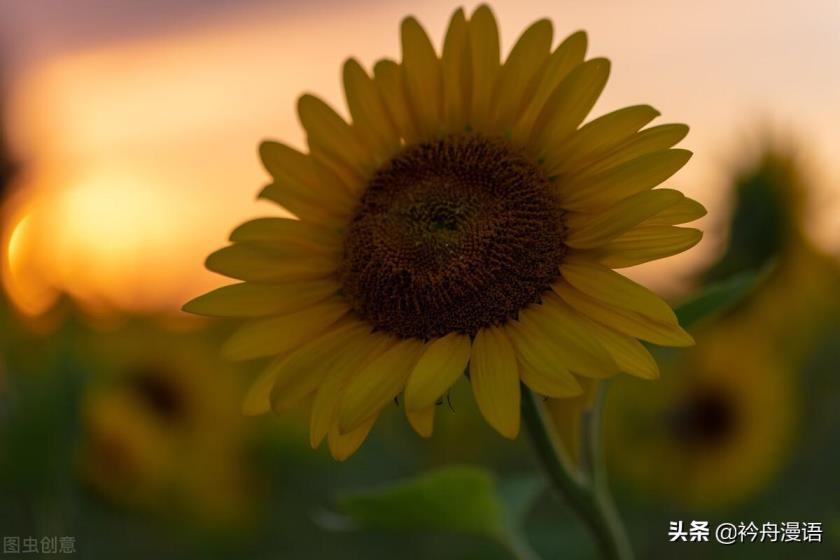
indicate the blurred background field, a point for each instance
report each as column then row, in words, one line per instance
column 129, row 135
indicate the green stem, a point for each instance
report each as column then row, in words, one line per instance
column 590, row 498
column 519, row 548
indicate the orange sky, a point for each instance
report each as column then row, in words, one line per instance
column 142, row 152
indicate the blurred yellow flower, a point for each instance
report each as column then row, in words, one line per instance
column 463, row 219
column 163, row 432
column 772, row 209
column 714, row 431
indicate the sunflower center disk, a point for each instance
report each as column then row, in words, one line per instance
column 452, row 235
column 707, row 418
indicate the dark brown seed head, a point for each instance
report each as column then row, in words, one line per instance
column 705, row 418
column 452, row 235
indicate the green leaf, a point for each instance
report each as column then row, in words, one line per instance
column 519, row 494
column 720, row 297
column 458, row 499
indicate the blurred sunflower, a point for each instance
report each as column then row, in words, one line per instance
column 464, row 218
column 714, row 431
column 161, row 432
column 770, row 199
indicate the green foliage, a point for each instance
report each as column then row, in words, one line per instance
column 720, row 297
column 458, row 499
column 767, row 211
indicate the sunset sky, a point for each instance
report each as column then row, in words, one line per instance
column 138, row 120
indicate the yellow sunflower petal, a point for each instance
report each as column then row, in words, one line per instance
column 300, row 372
column 360, row 350
column 388, row 77
column 518, row 76
column 279, row 232
column 260, row 300
column 259, row 265
column 277, row 335
column 559, row 332
column 569, row 104
column 568, row 55
column 370, row 117
column 343, row 445
column 495, row 380
column 609, row 187
column 257, row 400
column 539, row 367
column 330, row 137
column 597, row 138
column 484, row 50
column 255, row 264
column 299, row 185
column 423, row 421
column 592, row 230
column 643, row 142
column 379, row 382
column 457, row 77
column 630, row 354
column 686, row 210
column 604, row 284
column 624, row 321
column 442, row 362
column 422, row 75
column 646, row 243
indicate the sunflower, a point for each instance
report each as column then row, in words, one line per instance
column 715, row 431
column 462, row 219
column 769, row 222
column 160, row 434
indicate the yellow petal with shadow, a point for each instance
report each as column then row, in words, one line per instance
column 303, row 370
column 422, row 75
column 519, row 74
column 343, row 445
column 331, row 140
column 589, row 230
column 623, row 320
column 260, row 300
column 257, row 399
column 266, row 337
column 282, row 232
column 567, row 56
column 686, row 210
column 378, row 383
column 456, row 73
column 539, row 366
column 367, row 109
column 360, row 350
column 612, row 288
column 303, row 186
column 495, row 380
column 596, row 138
column 423, row 420
column 442, row 362
column 646, row 141
column 388, row 77
column 569, row 104
column 263, row 265
column 602, row 190
column 629, row 354
column 646, row 243
column 560, row 333
column 485, row 63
